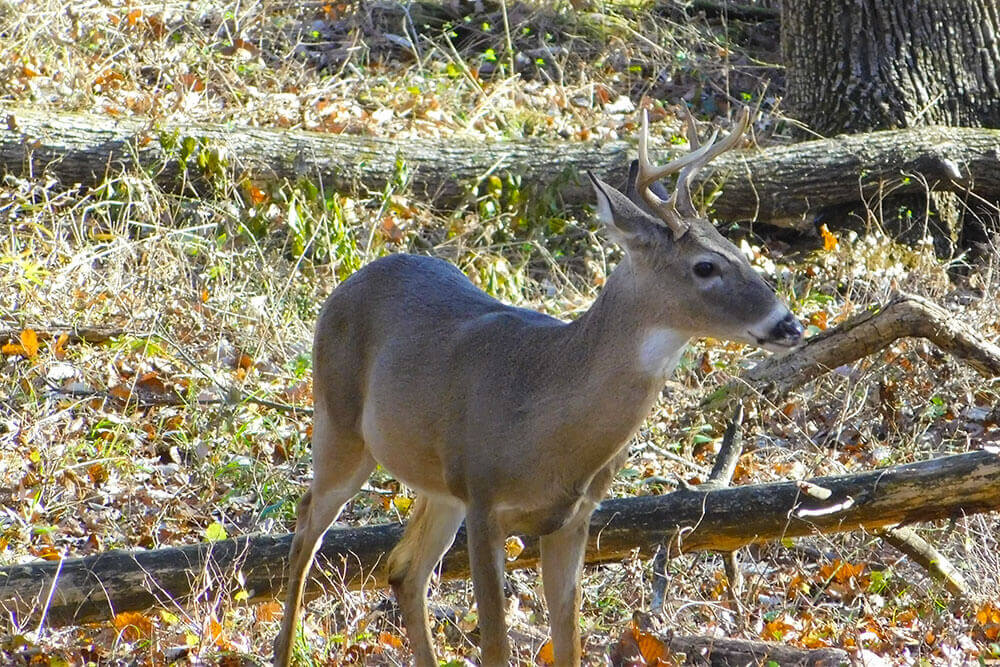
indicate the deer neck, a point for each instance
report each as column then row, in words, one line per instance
column 621, row 327
column 618, row 357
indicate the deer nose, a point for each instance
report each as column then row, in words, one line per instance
column 787, row 330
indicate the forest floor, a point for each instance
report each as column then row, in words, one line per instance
column 213, row 295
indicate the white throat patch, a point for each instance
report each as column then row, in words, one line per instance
column 659, row 351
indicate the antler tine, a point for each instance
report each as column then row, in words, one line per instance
column 682, row 194
column 648, row 174
column 681, row 199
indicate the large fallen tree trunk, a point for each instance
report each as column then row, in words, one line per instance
column 778, row 184
column 93, row 588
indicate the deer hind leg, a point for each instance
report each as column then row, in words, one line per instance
column 341, row 465
column 486, row 562
column 429, row 533
column 562, row 561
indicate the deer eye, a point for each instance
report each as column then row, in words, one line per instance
column 704, row 269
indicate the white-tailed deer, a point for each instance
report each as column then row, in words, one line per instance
column 507, row 418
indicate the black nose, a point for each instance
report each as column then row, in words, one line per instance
column 788, row 329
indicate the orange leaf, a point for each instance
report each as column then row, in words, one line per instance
column 60, row 350
column 29, row 340
column 133, row 625
column 214, row 633
column 819, row 319
column 152, row 383
column 268, row 611
column 257, row 196
column 653, row 650
column 829, row 240
column 706, row 363
column 390, row 230
column 389, row 639
column 120, row 391
column 97, row 473
column 191, row 82
column 847, row 571
column 546, row 655
column 48, row 552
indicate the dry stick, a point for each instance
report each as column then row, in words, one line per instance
column 905, row 316
column 729, row 454
column 720, row 478
column 924, row 554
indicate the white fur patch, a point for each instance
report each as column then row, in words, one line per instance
column 604, row 213
column 660, row 349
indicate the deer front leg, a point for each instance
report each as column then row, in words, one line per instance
column 486, row 562
column 562, row 563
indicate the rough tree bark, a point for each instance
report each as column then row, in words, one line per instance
column 776, row 185
column 94, row 588
column 861, row 65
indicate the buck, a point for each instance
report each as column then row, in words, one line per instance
column 507, row 418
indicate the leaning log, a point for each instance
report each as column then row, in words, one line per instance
column 865, row 334
column 713, row 652
column 79, row 590
column 778, row 184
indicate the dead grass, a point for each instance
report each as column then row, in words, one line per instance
column 215, row 299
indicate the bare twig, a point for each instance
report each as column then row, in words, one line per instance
column 924, row 554
column 730, row 452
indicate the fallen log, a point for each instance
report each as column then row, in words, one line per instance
column 93, row 335
column 727, row 652
column 778, row 184
column 80, row 590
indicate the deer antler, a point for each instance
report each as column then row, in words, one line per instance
column 673, row 211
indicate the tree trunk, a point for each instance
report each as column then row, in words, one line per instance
column 777, row 185
column 862, row 65
column 88, row 589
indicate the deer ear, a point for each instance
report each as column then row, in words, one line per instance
column 626, row 222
